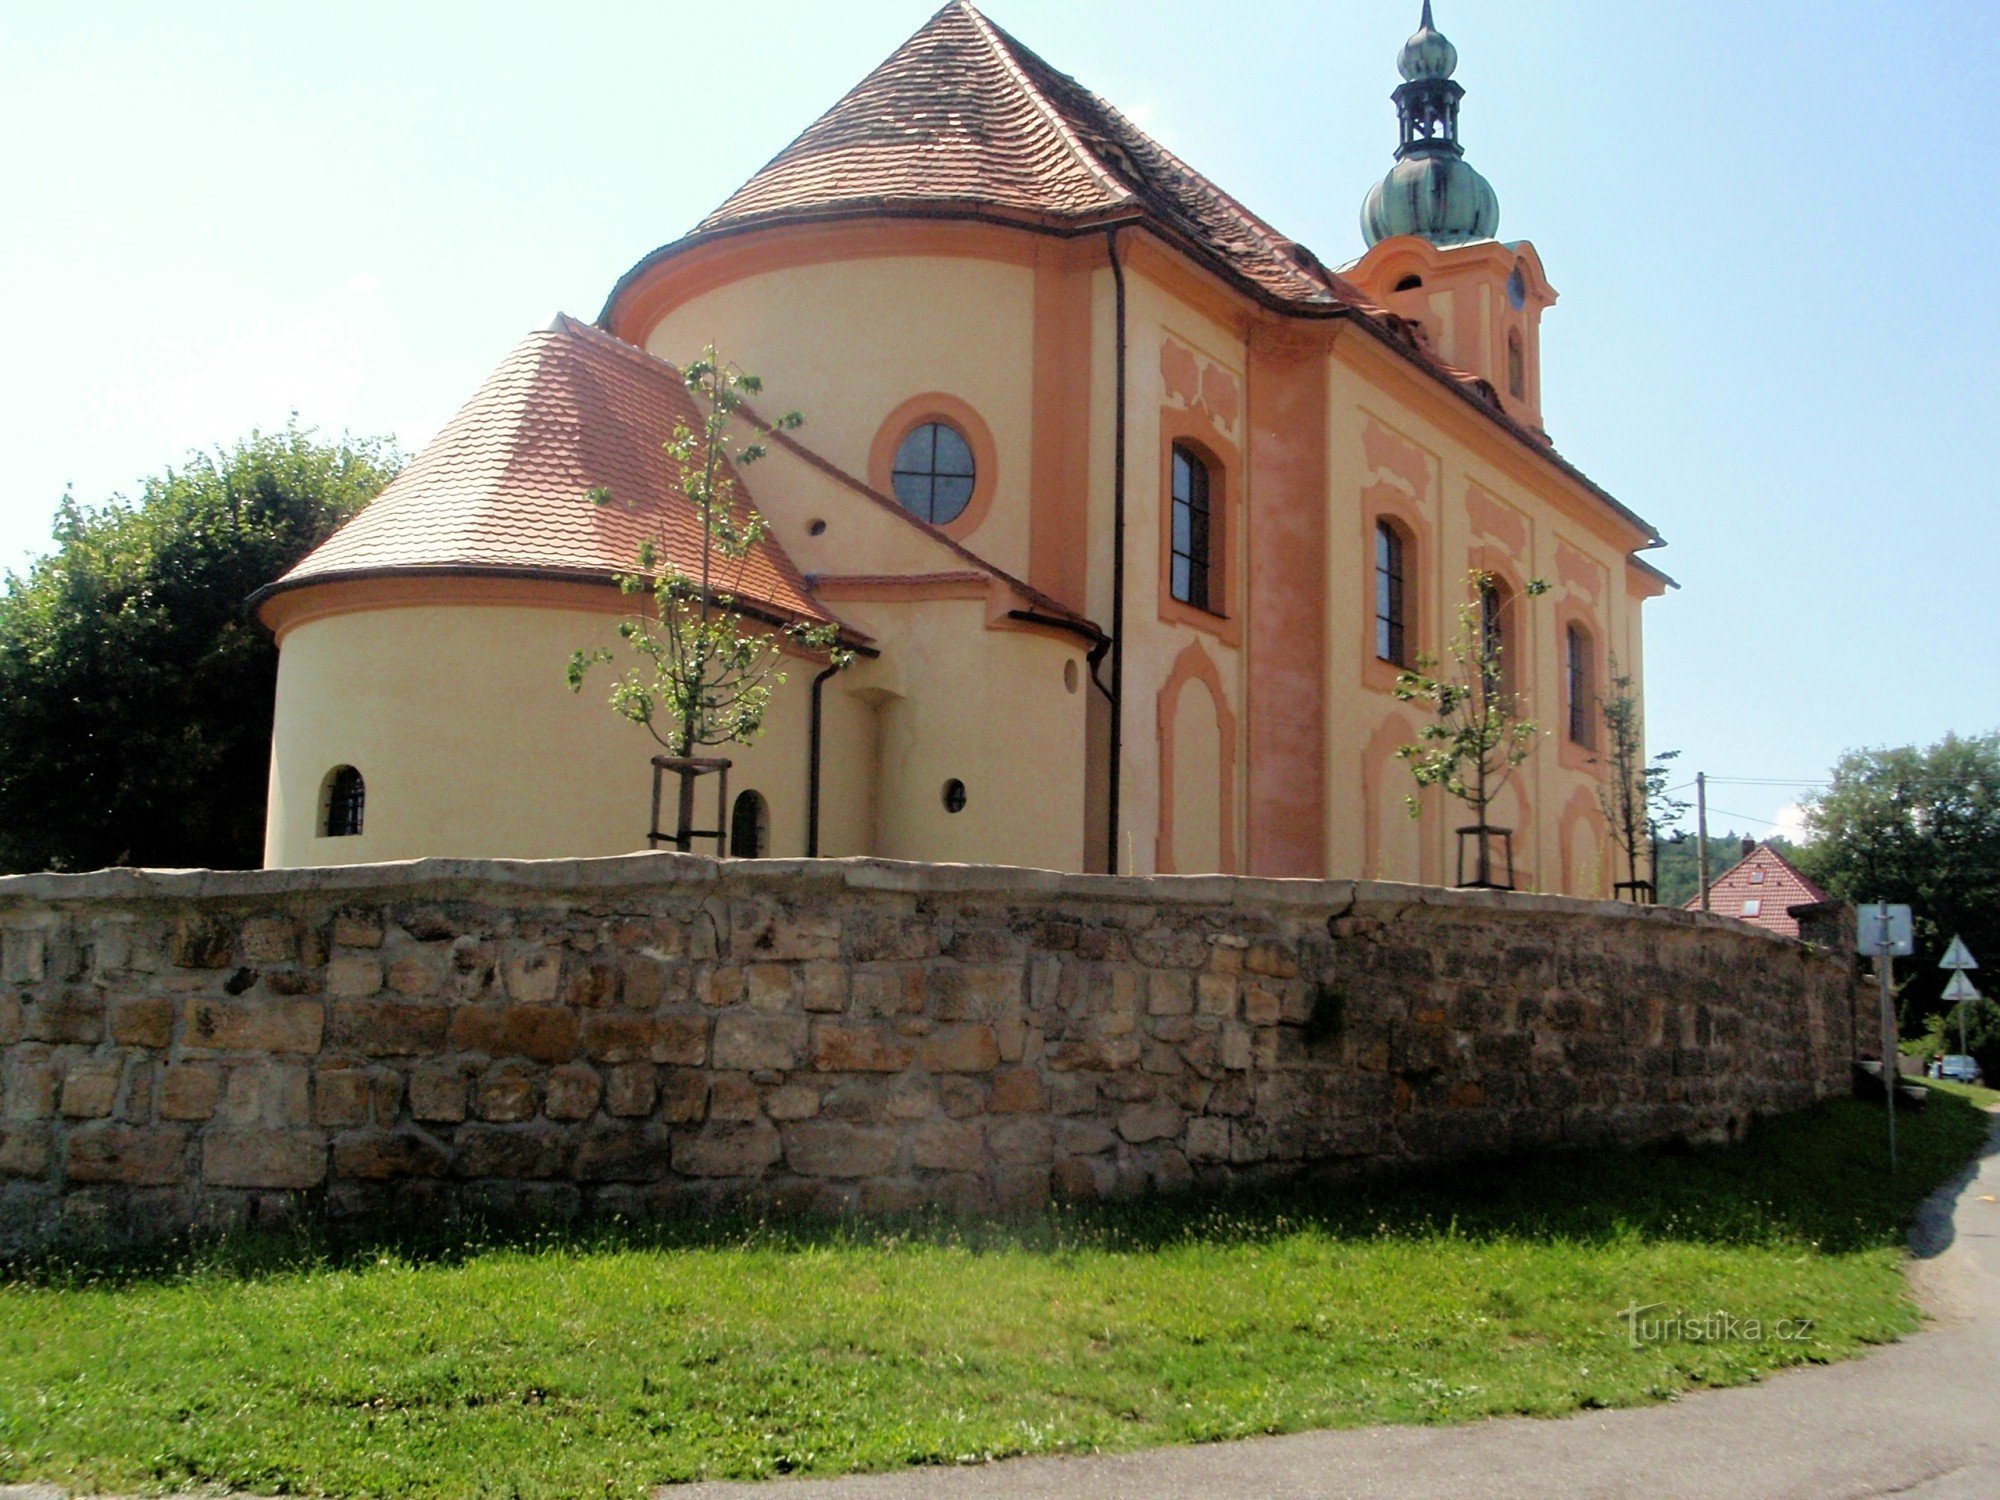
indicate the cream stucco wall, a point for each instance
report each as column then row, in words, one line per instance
column 848, row 342
column 471, row 744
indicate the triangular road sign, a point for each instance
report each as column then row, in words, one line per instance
column 1960, row 988
column 1958, row 956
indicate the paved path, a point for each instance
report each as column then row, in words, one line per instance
column 1919, row 1418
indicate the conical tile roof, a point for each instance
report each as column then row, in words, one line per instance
column 503, row 488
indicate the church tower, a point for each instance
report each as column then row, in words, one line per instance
column 1433, row 258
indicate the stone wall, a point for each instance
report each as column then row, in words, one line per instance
column 634, row 1034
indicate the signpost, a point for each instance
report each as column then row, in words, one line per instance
column 1884, row 932
column 1958, row 958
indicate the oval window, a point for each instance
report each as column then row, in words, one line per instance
column 934, row 474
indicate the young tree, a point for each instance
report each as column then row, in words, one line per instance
column 1633, row 796
column 701, row 672
column 1476, row 737
column 137, row 693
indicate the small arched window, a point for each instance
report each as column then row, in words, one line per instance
column 933, row 473
column 1410, row 283
column 1391, row 595
column 1579, row 678
column 1495, row 647
column 750, row 827
column 1193, row 530
column 342, row 798
column 1517, row 367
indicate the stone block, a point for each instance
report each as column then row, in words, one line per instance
column 858, row 1049
column 388, row 1156
column 792, row 1101
column 823, row 987
column 1208, row 1140
column 526, row 1152
column 270, row 940
column 357, row 927
column 948, row 1146
column 252, row 1025
column 769, row 988
column 263, row 1158
column 629, row 1089
column 189, row 1091
column 768, row 932
column 571, row 1092
column 1083, row 1137
column 354, row 975
column 388, row 1028
column 622, row 1037
column 1025, row 1139
column 340, row 1096
column 438, row 1092
column 274, row 1095
column 416, row 975
column 90, row 1088
column 544, row 1033
column 624, row 1152
column 26, row 1150
column 134, row 1155
column 1018, row 1091
column 147, row 1021
column 592, row 986
column 197, row 941
column 1150, row 1122
column 826, row 1148
column 728, row 1150
column 23, row 955
column 74, row 1017
column 1215, row 994
column 505, row 1094
column 1169, row 993
column 533, row 976
column 749, row 1043
column 959, row 1049
column 683, row 1095
column 1262, row 1003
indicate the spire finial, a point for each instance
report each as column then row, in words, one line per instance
column 1431, row 191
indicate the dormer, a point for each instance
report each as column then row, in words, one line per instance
column 1480, row 307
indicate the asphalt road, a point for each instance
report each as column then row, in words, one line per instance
column 1919, row 1418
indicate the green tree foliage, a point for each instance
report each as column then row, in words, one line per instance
column 1475, row 738
column 135, row 691
column 1920, row 826
column 1633, row 795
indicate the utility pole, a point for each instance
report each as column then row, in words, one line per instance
column 1701, row 832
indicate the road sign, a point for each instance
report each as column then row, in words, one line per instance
column 1958, row 956
column 1960, row 988
column 1870, row 930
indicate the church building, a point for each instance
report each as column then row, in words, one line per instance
column 1129, row 508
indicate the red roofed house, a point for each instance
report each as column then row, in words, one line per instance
column 1765, row 889
column 1130, row 506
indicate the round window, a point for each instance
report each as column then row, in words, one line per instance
column 934, row 473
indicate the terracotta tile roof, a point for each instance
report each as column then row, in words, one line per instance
column 1766, row 877
column 503, row 487
column 962, row 115
column 962, row 120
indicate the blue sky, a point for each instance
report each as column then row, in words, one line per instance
column 1770, row 225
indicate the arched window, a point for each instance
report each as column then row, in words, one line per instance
column 342, row 797
column 933, row 473
column 1391, row 595
column 750, row 827
column 1495, row 644
column 1579, row 678
column 1410, row 283
column 1517, row 367
column 1193, row 530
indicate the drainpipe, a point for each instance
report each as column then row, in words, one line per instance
column 812, row 765
column 1117, row 693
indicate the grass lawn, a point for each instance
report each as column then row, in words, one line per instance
column 1972, row 1093
column 603, row 1362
